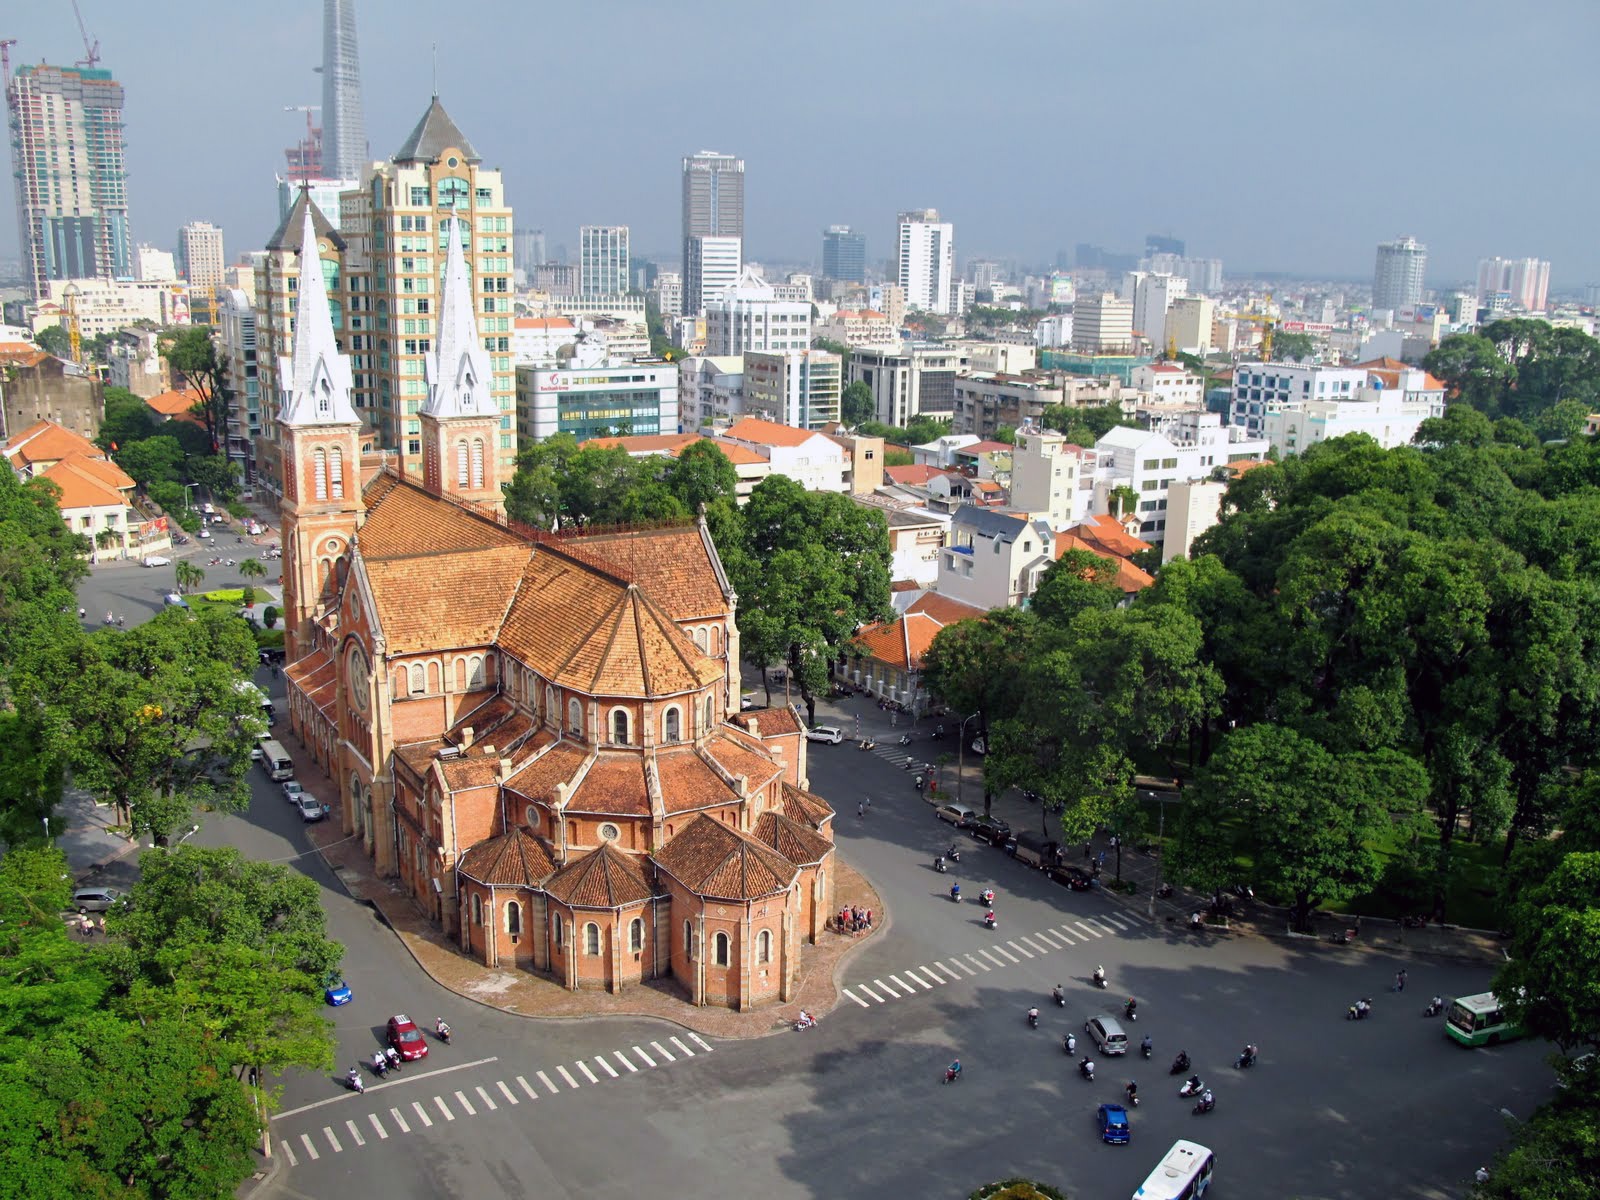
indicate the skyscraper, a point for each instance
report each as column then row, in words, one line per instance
column 713, row 225
column 201, row 261
column 603, row 260
column 844, row 254
column 344, row 125
column 72, row 195
column 1525, row 280
column 927, row 261
column 1397, row 281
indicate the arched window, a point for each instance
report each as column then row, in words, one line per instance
column 688, row 940
column 700, row 636
column 619, row 727
column 336, row 473
column 475, row 671
column 711, row 714
column 719, row 950
column 551, row 712
column 319, row 467
column 559, row 931
column 574, row 716
column 477, row 462
column 764, row 946
column 591, row 938
column 477, row 910
column 636, row 935
column 419, row 681
column 672, row 726
column 514, row 919
column 461, row 463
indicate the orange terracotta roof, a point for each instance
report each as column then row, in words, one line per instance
column 987, row 486
column 806, row 807
column 614, row 786
column 772, row 722
column 1249, row 464
column 688, row 783
column 904, row 585
column 674, row 565
column 457, row 600
column 403, row 520
column 711, row 859
column 912, row 474
column 515, row 859
column 738, row 757
column 88, row 483
column 985, row 448
column 20, row 354
column 768, row 433
column 603, row 878
column 901, row 642
column 544, row 323
column 1129, row 578
column 47, row 442
column 1106, row 531
column 560, row 763
column 739, row 456
column 174, row 404
column 944, row 609
column 798, row 843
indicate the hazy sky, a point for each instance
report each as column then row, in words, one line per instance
column 1277, row 136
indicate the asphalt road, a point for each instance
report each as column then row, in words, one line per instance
column 856, row 1106
column 133, row 591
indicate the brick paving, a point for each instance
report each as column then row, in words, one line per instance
column 524, row 993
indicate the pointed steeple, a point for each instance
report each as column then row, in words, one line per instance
column 460, row 376
column 317, row 376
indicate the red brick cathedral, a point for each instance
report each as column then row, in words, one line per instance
column 537, row 734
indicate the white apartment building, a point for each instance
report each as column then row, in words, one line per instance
column 813, row 460
column 1168, row 383
column 987, row 400
column 859, row 327
column 1102, row 324
column 751, row 317
column 1524, row 281
column 1153, row 296
column 602, row 260
column 200, row 256
column 154, row 266
column 236, row 348
column 1053, row 331
column 669, row 293
column 714, row 265
column 994, row 559
column 1189, row 323
column 910, row 379
column 1149, row 461
column 105, row 305
column 793, row 387
column 1193, row 506
column 1259, row 385
column 1045, row 478
column 536, row 340
column 927, row 261
column 710, row 389
column 1387, row 417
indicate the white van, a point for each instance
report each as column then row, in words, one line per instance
column 275, row 759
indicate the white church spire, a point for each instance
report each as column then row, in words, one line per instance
column 460, row 377
column 317, row 378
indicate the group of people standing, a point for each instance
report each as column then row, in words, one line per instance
column 854, row 920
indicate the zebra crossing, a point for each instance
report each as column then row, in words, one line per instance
column 451, row 1103
column 1002, row 953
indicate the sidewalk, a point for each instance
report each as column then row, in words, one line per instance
column 82, row 831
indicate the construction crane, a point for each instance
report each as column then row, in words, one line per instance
column 308, row 109
column 5, row 60
column 69, row 300
column 91, row 49
column 1267, row 320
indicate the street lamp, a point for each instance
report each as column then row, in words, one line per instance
column 961, row 755
column 193, row 829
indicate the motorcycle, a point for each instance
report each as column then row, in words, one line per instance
column 1086, row 1069
column 1033, row 1018
column 1069, row 1044
column 443, row 1031
column 1245, row 1060
column 1098, row 979
column 1435, row 1007
column 954, row 853
column 380, row 1066
column 354, row 1082
column 919, row 783
column 1132, row 1093
column 986, row 897
column 1205, row 1104
column 951, row 1074
column 955, row 892
column 1179, row 1064
column 988, row 920
column 1192, row 1086
column 1359, row 1011
column 1059, row 996
column 938, row 865
column 905, row 739
column 1164, row 892
column 1146, row 1049
column 1131, row 1010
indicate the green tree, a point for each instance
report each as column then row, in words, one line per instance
column 1292, row 347
column 46, row 978
column 151, row 461
column 1078, row 580
column 856, row 404
column 269, row 617
column 215, row 474
column 189, row 576
column 1006, row 434
column 701, row 474
column 1554, row 1155
column 159, row 723
column 192, row 356
column 54, row 339
column 1551, row 979
column 1473, row 370
column 127, row 419
column 253, row 568
column 1563, row 419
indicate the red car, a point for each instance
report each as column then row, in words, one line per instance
column 406, row 1038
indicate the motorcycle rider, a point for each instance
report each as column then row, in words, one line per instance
column 1248, row 1057
column 1099, row 977
column 1131, row 1091
column 1033, row 1017
column 1435, row 1006
column 1192, row 1086
column 440, row 1028
column 1146, row 1046
column 988, row 918
column 1130, row 1007
column 955, row 891
column 1086, row 1067
column 953, row 1071
column 938, row 864
column 1057, row 995
column 1181, row 1063
column 393, row 1056
column 1069, row 1044
column 380, row 1064
column 986, row 897
column 355, row 1082
column 1206, row 1101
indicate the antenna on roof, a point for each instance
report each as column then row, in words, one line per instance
column 436, row 70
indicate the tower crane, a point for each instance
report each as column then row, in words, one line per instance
column 5, row 60
column 1264, row 318
column 91, row 49
column 308, row 109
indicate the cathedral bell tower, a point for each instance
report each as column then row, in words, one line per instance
column 321, row 439
column 461, row 418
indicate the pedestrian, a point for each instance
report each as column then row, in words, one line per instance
column 861, row 811
column 1088, row 850
column 869, row 803
column 1113, row 841
column 1482, row 1175
column 869, row 918
column 1400, row 980
column 1101, row 861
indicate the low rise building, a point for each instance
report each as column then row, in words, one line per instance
column 793, row 387
column 813, row 460
column 710, row 389
column 751, row 316
column 986, row 400
column 538, row 341
column 36, row 386
column 1002, row 357
column 994, row 559
column 941, row 452
column 859, row 327
column 749, row 468
column 1259, row 385
column 864, row 456
column 886, row 658
column 134, row 363
column 1147, row 462
column 590, row 402
column 94, row 494
column 909, row 380
column 1168, row 383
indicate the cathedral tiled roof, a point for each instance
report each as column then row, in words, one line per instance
column 405, row 521
column 736, row 758
column 671, row 564
column 559, row 764
column 515, row 859
column 613, row 787
column 710, row 859
column 603, row 878
column 458, row 600
column 798, row 843
column 806, row 807
column 688, row 783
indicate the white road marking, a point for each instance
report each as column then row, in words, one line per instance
column 288, row 1152
column 1006, row 954
column 377, row 1127
column 1020, row 950
column 1102, row 922
column 1113, row 920
column 1069, row 936
column 443, row 1108
column 679, row 1043
column 856, row 998
column 903, row 984
column 701, row 1042
column 527, row 1087
column 427, row 1121
column 485, row 1097
column 600, row 1061
column 992, row 959
column 461, row 1097
column 921, row 973
column 545, row 1079
column 978, row 962
column 938, row 972
column 327, row 1132
column 1036, row 945
column 962, row 965
column 623, row 1059
column 567, row 1075
column 663, row 1051
column 509, row 1094
column 588, row 1074
column 305, row 1138
column 1055, row 939
column 884, row 987
column 648, row 1061
column 1089, row 929
column 870, row 992
column 355, row 1133
column 399, row 1120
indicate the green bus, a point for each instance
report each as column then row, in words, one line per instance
column 1478, row 1021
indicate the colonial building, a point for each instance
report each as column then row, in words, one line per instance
column 536, row 734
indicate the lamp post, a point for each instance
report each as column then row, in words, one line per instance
column 193, row 829
column 961, row 757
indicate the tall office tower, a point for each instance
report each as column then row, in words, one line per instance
column 200, row 260
column 397, row 240
column 1525, row 280
column 1163, row 243
column 927, row 261
column 72, row 194
column 713, row 226
column 603, row 260
column 1102, row 324
column 344, row 125
column 1397, row 281
column 527, row 250
column 844, row 254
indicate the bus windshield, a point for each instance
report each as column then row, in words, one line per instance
column 1183, row 1173
column 1479, row 1021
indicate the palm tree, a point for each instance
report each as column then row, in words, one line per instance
column 251, row 568
column 189, row 576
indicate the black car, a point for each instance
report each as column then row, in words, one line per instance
column 270, row 655
column 989, row 829
column 1075, row 878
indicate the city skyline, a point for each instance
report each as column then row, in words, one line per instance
column 1252, row 218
